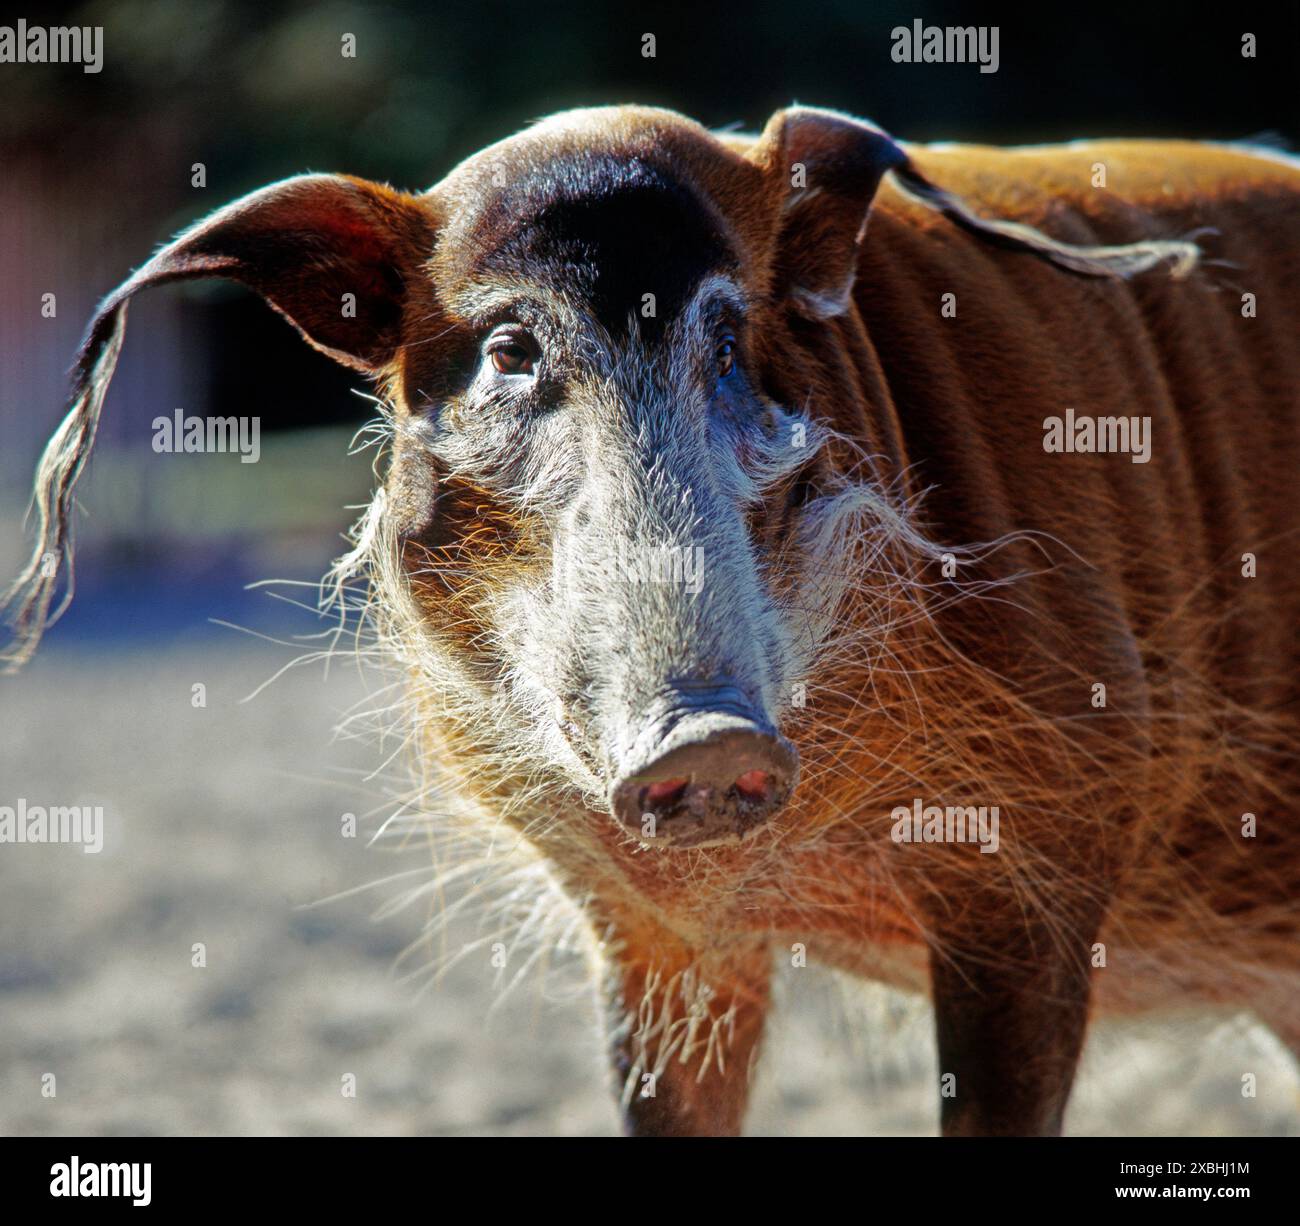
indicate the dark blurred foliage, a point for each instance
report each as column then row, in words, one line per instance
column 262, row 87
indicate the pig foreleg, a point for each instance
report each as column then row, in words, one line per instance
column 684, row 1033
column 1010, row 1025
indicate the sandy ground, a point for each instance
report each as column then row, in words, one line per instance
column 223, row 827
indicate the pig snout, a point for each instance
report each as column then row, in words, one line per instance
column 706, row 769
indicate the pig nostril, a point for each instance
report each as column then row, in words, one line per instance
column 754, row 785
column 710, row 779
column 665, row 792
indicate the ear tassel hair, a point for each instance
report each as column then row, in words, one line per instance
column 27, row 602
column 1124, row 261
column 298, row 243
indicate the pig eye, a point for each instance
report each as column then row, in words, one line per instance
column 511, row 354
column 726, row 356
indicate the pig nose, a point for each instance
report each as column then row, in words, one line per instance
column 708, row 778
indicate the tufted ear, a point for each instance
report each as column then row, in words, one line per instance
column 331, row 253
column 303, row 244
column 827, row 167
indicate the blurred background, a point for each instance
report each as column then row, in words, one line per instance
column 228, row 815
